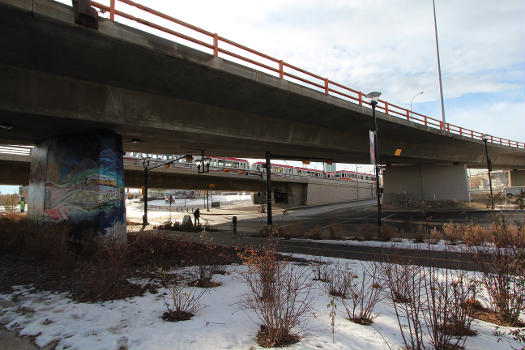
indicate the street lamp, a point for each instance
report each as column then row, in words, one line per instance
column 439, row 67
column 485, row 139
column 416, row 95
column 373, row 96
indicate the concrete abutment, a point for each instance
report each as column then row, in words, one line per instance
column 78, row 180
column 437, row 185
column 517, row 178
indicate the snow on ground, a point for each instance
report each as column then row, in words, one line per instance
column 403, row 243
column 199, row 202
column 136, row 323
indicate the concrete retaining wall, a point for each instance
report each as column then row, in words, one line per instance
column 327, row 194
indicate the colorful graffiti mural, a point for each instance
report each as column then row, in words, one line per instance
column 81, row 178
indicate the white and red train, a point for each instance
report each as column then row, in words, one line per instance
column 242, row 166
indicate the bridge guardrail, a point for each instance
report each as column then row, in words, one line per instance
column 283, row 69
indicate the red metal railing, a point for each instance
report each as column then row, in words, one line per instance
column 286, row 70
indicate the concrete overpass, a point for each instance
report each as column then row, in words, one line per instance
column 135, row 91
column 289, row 191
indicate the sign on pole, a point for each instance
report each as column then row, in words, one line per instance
column 371, row 136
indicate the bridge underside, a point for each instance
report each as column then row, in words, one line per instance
column 59, row 78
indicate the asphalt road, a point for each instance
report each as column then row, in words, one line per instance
column 351, row 217
column 354, row 216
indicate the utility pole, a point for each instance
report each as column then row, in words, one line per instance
column 444, row 122
column 145, row 194
column 147, row 168
column 269, row 188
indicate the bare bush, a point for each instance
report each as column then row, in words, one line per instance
column 503, row 270
column 365, row 293
column 280, row 295
column 337, row 231
column 435, row 236
column 339, row 280
column 320, row 270
column 182, row 302
column 404, row 284
column 203, row 275
column 453, row 232
column 446, row 316
column 367, row 232
column 388, row 232
column 419, row 234
column 9, row 202
column 107, row 277
column 475, row 235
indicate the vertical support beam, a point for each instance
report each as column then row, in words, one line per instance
column 78, row 180
column 145, row 196
column 269, row 188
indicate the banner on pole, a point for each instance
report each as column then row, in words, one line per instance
column 371, row 136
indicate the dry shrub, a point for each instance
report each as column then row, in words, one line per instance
column 404, row 290
column 435, row 236
column 320, row 270
column 365, row 293
column 203, row 275
column 453, row 232
column 9, row 202
column 430, row 303
column 475, row 235
column 280, row 295
column 338, row 281
column 502, row 268
column 277, row 231
column 388, row 231
column 419, row 234
column 367, row 232
column 149, row 245
column 336, row 231
column 316, row 232
column 292, row 230
column 13, row 232
column 447, row 320
column 107, row 273
column 182, row 302
column 46, row 244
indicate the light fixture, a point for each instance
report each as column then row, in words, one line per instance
column 6, row 126
column 373, row 96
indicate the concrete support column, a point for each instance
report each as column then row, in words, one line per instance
column 517, row 178
column 436, row 185
column 79, row 180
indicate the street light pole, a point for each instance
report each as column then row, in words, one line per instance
column 269, row 189
column 439, row 68
column 416, row 95
column 147, row 168
column 485, row 138
column 145, row 194
column 373, row 101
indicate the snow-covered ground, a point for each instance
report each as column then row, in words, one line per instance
column 135, row 323
column 199, row 202
column 401, row 243
column 135, row 209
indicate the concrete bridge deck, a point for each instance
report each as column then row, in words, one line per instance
column 60, row 78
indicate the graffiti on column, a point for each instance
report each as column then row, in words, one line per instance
column 84, row 183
